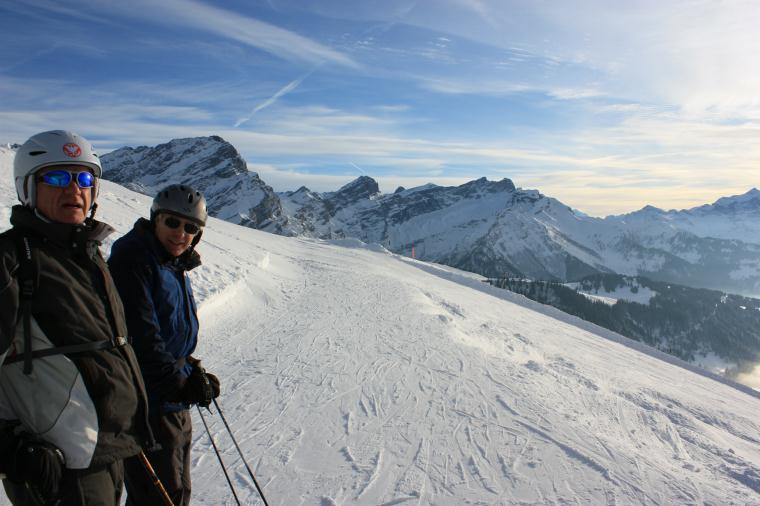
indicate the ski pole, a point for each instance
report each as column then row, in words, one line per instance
column 156, row 482
column 240, row 452
column 218, row 456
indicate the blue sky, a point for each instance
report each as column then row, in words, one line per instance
column 607, row 106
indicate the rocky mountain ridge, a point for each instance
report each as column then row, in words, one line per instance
column 209, row 164
column 489, row 227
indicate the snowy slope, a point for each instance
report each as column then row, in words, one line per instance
column 353, row 376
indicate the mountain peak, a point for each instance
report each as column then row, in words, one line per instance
column 749, row 201
column 208, row 164
column 191, row 157
column 360, row 188
column 484, row 185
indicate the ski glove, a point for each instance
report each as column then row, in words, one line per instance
column 39, row 464
column 201, row 387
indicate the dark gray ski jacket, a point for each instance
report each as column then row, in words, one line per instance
column 104, row 418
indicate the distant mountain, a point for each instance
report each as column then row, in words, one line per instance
column 488, row 227
column 705, row 327
column 736, row 217
column 498, row 230
column 746, row 203
column 209, row 164
column 328, row 215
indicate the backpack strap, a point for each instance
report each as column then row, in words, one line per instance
column 70, row 349
column 27, row 280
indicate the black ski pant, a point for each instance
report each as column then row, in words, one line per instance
column 99, row 486
column 174, row 432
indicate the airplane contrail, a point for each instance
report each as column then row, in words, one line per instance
column 358, row 168
column 271, row 100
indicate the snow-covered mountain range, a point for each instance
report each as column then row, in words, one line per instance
column 354, row 376
column 492, row 228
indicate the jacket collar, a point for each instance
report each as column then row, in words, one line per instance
column 69, row 236
column 187, row 261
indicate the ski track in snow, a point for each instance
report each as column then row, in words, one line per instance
column 363, row 388
column 352, row 376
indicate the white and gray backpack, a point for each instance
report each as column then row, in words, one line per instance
column 40, row 386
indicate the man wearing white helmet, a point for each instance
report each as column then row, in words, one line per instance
column 72, row 400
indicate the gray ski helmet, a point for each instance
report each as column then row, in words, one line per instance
column 181, row 200
column 57, row 147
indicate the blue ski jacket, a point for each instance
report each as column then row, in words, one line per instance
column 160, row 310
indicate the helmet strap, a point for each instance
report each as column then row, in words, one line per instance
column 29, row 188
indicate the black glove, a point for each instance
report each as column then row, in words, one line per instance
column 200, row 388
column 40, row 465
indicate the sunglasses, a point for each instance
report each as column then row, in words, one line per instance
column 62, row 178
column 190, row 228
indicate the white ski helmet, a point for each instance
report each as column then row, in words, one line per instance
column 181, row 200
column 57, row 147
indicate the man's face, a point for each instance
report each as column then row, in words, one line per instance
column 63, row 205
column 175, row 240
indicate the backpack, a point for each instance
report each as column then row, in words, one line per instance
column 39, row 385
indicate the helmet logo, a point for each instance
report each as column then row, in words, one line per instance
column 72, row 150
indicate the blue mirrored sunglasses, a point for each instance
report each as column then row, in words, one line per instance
column 62, row 178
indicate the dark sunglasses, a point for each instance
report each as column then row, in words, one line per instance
column 190, row 228
column 62, row 178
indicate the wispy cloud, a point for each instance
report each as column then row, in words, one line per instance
column 462, row 86
column 246, row 30
column 34, row 6
column 327, row 121
column 27, row 58
column 641, row 51
column 649, row 51
column 52, row 45
column 220, row 22
column 480, row 7
column 392, row 108
column 457, row 85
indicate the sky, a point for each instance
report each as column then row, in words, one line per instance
column 606, row 106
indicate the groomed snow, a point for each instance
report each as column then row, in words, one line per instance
column 353, row 376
